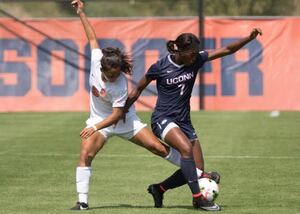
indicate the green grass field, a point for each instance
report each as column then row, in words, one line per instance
column 258, row 157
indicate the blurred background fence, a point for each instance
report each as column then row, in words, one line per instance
column 142, row 8
column 44, row 55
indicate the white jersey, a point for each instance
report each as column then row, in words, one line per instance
column 112, row 94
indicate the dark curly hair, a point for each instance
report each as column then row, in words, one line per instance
column 185, row 42
column 114, row 57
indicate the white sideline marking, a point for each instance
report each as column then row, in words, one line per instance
column 250, row 157
column 152, row 155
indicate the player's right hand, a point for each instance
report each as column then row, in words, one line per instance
column 87, row 132
column 78, row 5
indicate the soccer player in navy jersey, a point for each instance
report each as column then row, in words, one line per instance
column 175, row 76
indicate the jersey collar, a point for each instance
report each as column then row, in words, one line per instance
column 171, row 61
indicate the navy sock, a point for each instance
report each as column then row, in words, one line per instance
column 175, row 180
column 188, row 168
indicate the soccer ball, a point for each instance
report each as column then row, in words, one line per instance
column 209, row 188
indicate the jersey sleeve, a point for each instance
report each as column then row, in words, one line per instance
column 201, row 59
column 95, row 74
column 96, row 55
column 203, row 55
column 153, row 72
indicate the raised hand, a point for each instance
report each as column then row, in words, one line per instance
column 78, row 5
column 255, row 32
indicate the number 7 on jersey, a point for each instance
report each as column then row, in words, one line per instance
column 181, row 86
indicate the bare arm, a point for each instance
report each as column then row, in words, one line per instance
column 115, row 116
column 136, row 92
column 233, row 47
column 89, row 31
column 134, row 95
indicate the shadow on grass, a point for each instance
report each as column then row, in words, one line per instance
column 129, row 206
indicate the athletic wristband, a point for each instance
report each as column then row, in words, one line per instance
column 95, row 128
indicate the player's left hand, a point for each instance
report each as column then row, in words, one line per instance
column 87, row 132
column 255, row 32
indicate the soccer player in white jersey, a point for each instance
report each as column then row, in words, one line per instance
column 175, row 76
column 107, row 99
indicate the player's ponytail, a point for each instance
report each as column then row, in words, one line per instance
column 113, row 58
column 184, row 43
column 172, row 47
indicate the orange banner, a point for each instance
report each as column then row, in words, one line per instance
column 44, row 64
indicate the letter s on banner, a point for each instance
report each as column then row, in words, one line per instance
column 22, row 71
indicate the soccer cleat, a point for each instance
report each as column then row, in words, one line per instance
column 158, row 197
column 80, row 206
column 212, row 175
column 201, row 203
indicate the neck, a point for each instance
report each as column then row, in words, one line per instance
column 176, row 59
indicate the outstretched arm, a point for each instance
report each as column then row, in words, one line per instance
column 134, row 95
column 89, row 31
column 136, row 92
column 233, row 47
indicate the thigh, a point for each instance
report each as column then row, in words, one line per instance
column 178, row 140
column 93, row 144
column 171, row 133
column 146, row 139
column 130, row 128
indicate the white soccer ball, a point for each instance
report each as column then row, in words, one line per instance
column 209, row 188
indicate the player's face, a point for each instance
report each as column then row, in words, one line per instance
column 188, row 58
column 111, row 74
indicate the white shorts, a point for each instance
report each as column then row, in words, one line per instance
column 125, row 130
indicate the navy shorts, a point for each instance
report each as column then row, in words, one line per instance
column 162, row 127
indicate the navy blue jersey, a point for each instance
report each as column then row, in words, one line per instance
column 174, row 85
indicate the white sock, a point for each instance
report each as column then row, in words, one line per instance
column 199, row 172
column 83, row 175
column 173, row 157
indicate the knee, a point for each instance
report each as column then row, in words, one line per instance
column 186, row 150
column 86, row 158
